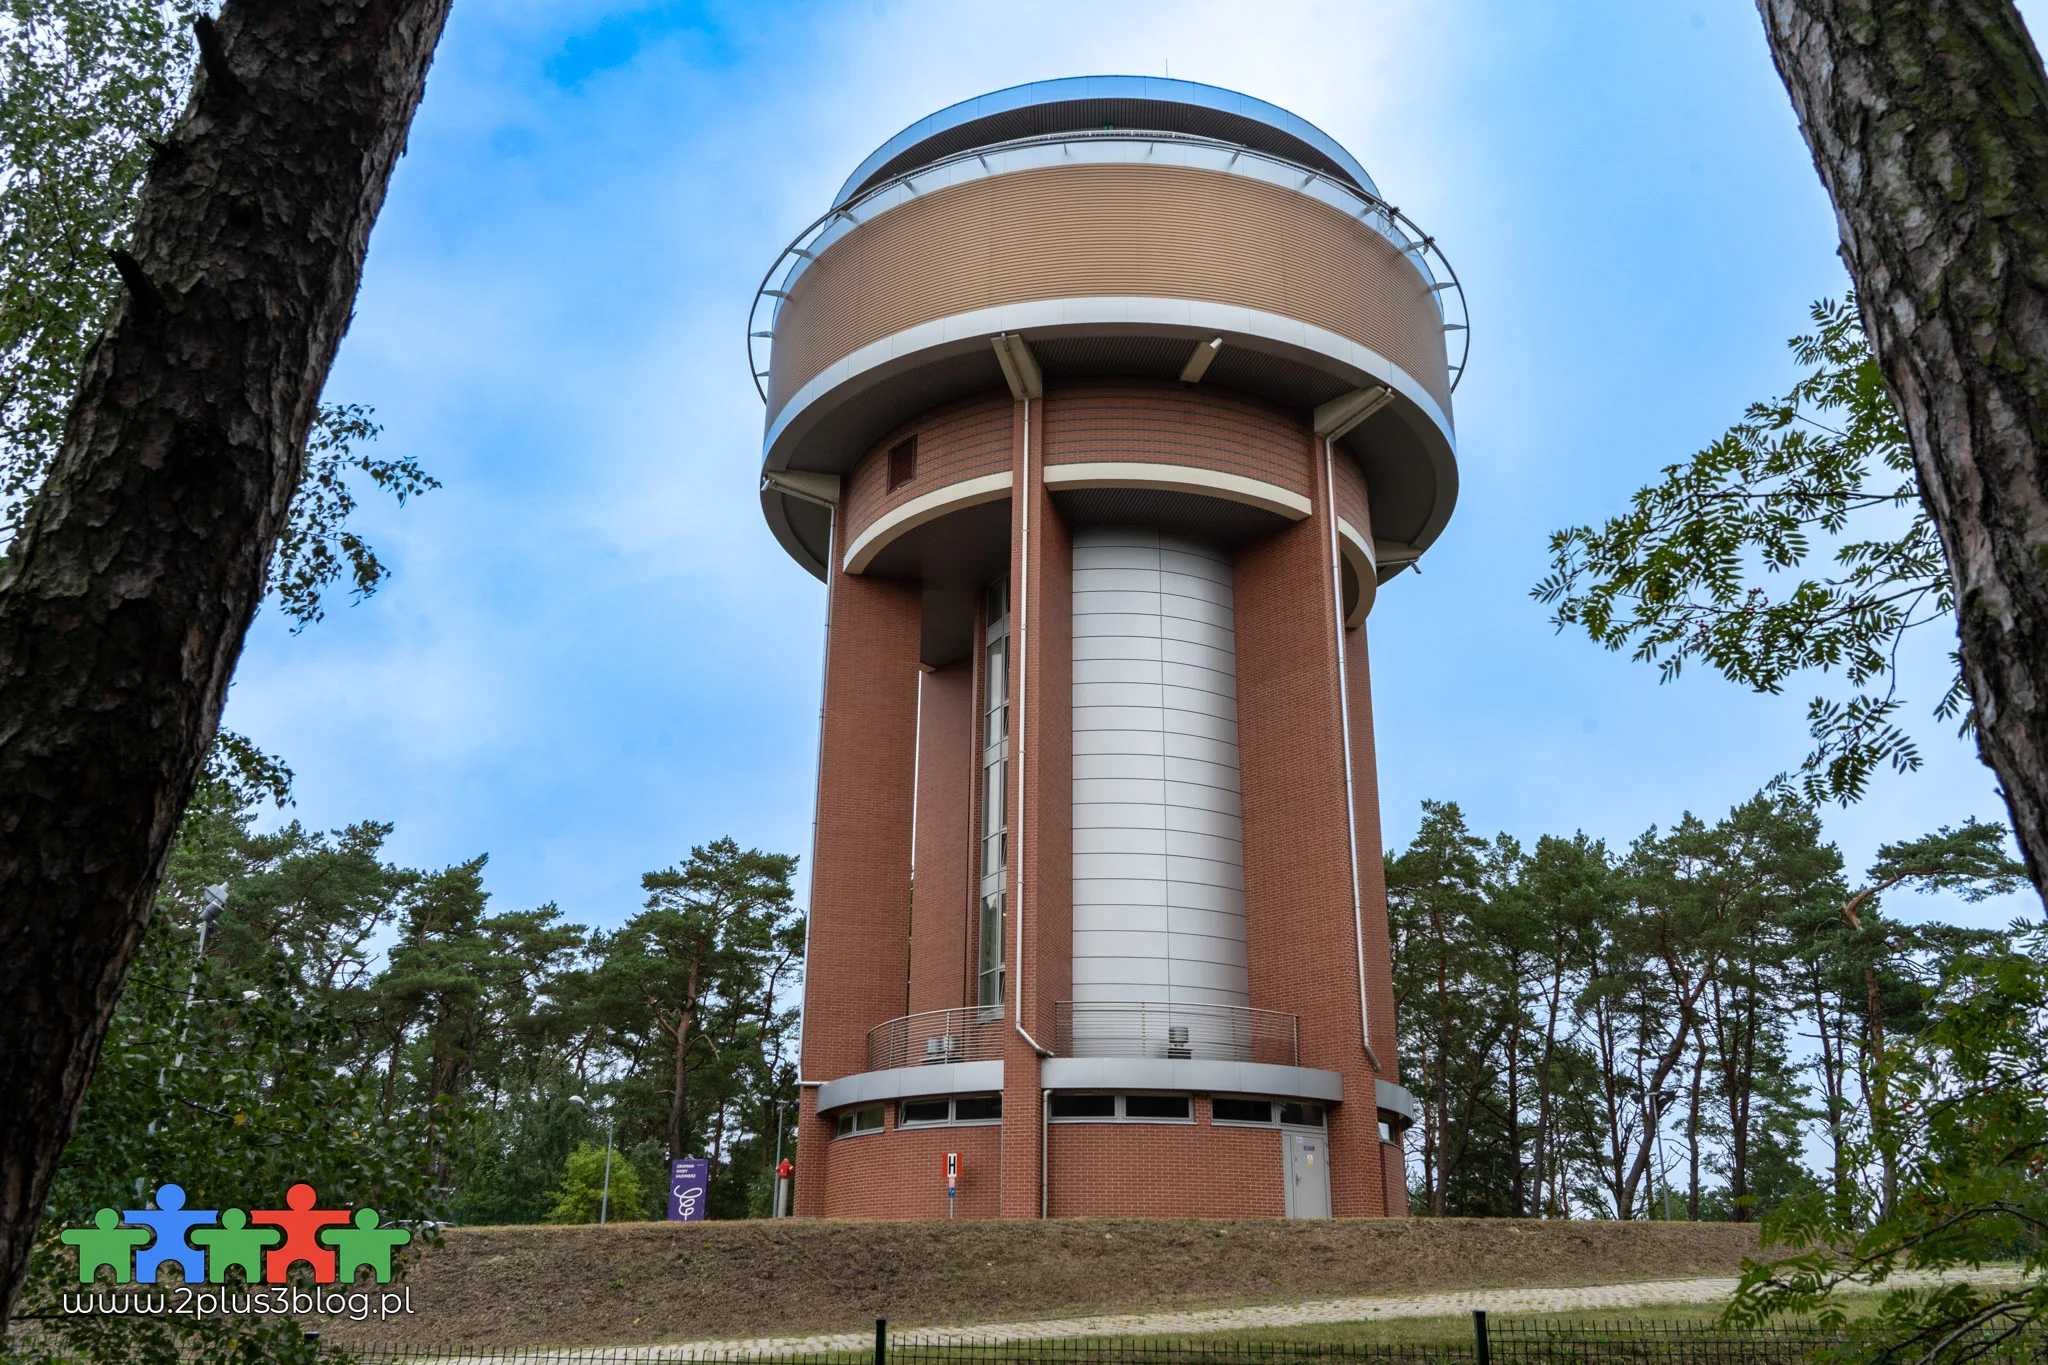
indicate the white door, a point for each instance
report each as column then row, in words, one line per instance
column 1308, row 1175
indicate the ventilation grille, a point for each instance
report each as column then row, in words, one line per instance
column 902, row 462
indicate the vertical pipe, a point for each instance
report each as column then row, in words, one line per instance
column 1021, row 611
column 1344, row 717
column 1481, row 1347
column 916, row 780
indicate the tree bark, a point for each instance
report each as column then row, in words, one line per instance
column 125, row 598
column 1928, row 122
column 678, row 1101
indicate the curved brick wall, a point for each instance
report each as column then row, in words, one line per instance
column 963, row 440
column 1352, row 504
column 1176, row 424
column 1095, row 422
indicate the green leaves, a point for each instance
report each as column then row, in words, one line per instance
column 88, row 91
column 220, row 1073
column 1969, row 1133
column 84, row 86
column 581, row 1196
column 1597, row 1033
column 1795, row 542
column 317, row 545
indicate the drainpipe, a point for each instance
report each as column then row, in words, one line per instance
column 1020, row 369
column 1333, row 420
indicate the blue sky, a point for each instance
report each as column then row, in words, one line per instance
column 592, row 654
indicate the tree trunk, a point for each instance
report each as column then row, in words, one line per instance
column 1928, row 122
column 678, row 1100
column 124, row 600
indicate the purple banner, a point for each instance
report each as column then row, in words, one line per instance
column 689, row 1190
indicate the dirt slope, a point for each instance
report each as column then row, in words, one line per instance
column 653, row 1282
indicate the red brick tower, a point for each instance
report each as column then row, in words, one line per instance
column 1103, row 407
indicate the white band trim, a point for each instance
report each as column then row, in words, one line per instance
column 919, row 510
column 1358, row 552
column 1136, row 315
column 1180, row 479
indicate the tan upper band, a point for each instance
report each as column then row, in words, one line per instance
column 1107, row 229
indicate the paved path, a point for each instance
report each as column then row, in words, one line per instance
column 1705, row 1291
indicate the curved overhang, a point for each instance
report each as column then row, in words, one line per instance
column 1395, row 1099
column 834, row 419
column 909, row 1083
column 1358, row 557
column 876, row 537
column 1079, row 103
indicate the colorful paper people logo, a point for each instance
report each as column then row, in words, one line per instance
column 205, row 1243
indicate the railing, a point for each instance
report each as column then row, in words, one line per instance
column 1535, row 1342
column 1375, row 212
column 1227, row 1033
column 936, row 1037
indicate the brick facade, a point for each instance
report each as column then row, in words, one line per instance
column 901, row 1172
column 1166, row 1170
column 959, row 441
column 1117, row 421
column 860, row 882
column 942, row 901
column 878, row 952
column 1298, row 882
column 1352, row 504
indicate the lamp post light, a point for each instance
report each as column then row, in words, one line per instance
column 781, row 1180
column 1659, row 1103
column 212, row 901
column 604, row 1199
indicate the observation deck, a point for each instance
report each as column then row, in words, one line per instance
column 1127, row 227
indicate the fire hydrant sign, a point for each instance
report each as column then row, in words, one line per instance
column 689, row 1190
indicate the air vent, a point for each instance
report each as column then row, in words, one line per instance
column 902, row 463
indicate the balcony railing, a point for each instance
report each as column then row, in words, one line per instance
column 1228, row 1033
column 936, row 1037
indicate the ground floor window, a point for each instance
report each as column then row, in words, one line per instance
column 1128, row 1108
column 963, row 1109
column 856, row 1121
column 1231, row 1109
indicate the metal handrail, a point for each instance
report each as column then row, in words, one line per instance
column 1430, row 259
column 936, row 1037
column 1230, row 1033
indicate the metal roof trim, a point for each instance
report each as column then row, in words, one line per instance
column 1073, row 89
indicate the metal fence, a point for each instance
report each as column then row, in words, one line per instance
column 1228, row 1033
column 936, row 1037
column 1507, row 1342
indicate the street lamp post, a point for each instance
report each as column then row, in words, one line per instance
column 212, row 901
column 604, row 1199
column 781, row 1180
column 1662, row 1101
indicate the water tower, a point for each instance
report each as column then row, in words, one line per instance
column 1104, row 407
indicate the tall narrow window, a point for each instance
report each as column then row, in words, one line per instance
column 902, row 462
column 995, row 813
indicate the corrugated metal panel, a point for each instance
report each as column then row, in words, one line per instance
column 1158, row 834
